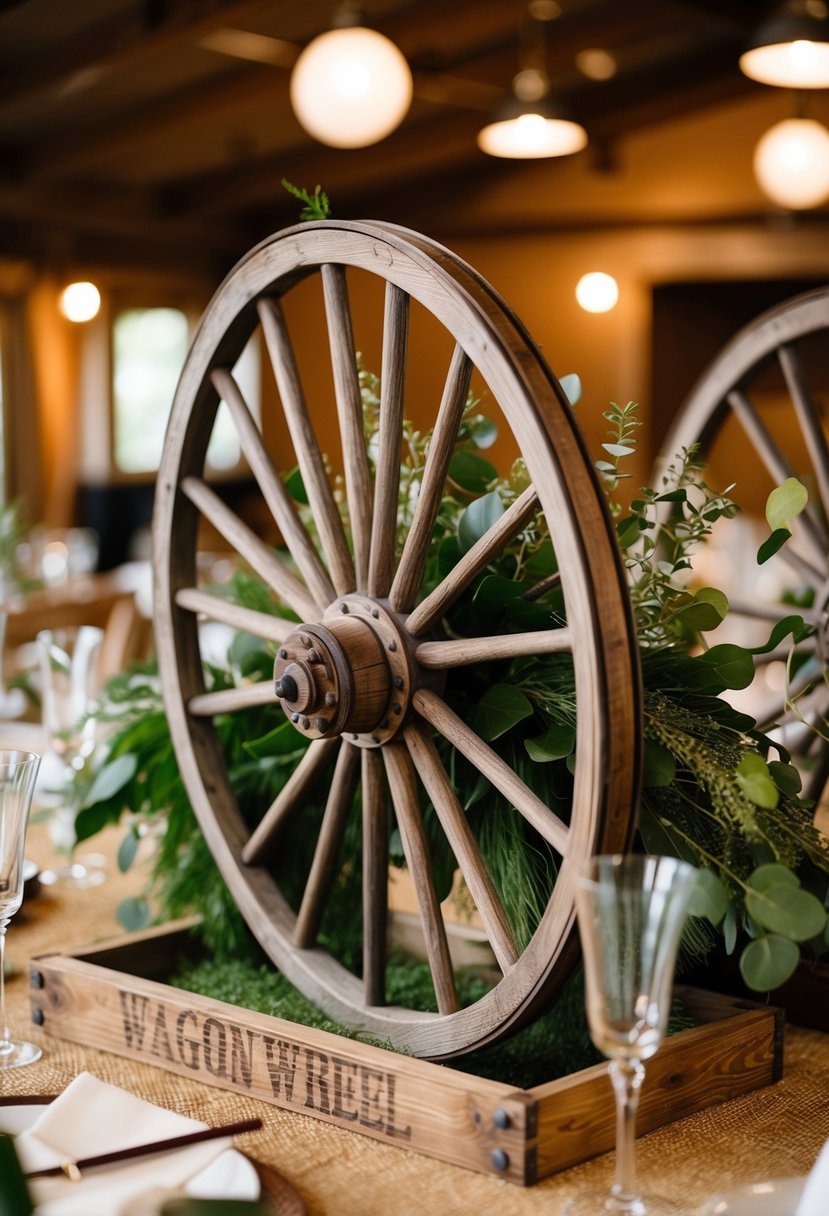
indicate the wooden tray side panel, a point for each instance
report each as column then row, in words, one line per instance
column 468, row 1121
column 692, row 1070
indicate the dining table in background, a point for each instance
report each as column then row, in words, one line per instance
column 772, row 1132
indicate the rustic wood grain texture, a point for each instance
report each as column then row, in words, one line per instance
column 387, row 476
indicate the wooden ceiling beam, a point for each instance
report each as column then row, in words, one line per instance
column 116, row 45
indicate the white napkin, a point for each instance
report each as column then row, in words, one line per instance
column 92, row 1117
column 814, row 1201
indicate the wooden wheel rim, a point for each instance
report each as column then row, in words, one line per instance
column 723, row 389
column 604, row 651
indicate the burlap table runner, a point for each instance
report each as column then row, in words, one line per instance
column 774, row 1132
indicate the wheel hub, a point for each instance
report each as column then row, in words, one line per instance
column 350, row 674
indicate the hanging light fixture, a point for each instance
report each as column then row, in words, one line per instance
column 351, row 86
column 791, row 50
column 791, row 163
column 529, row 125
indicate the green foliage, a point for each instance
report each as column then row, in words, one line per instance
column 315, row 206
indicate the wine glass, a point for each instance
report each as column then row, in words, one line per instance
column 18, row 773
column 631, row 910
column 70, row 678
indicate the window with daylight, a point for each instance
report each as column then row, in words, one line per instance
column 149, row 346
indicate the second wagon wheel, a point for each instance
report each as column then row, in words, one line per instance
column 364, row 666
column 759, row 414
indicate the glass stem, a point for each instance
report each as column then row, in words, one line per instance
column 627, row 1077
column 5, row 1037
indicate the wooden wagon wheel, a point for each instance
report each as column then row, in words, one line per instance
column 765, row 401
column 361, row 673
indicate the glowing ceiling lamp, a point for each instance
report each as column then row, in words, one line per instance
column 791, row 163
column 791, row 50
column 529, row 125
column 80, row 301
column 351, row 86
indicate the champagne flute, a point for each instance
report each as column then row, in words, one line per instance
column 70, row 678
column 631, row 911
column 18, row 773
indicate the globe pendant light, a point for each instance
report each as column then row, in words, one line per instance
column 351, row 86
column 791, row 163
column 791, row 50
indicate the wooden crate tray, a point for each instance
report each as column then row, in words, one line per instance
column 112, row 996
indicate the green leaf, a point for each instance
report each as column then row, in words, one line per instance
column 618, row 449
column 556, row 743
column 771, row 546
column 709, row 897
column 785, row 503
column 494, row 592
column 284, row 740
column 110, row 779
column 733, row 664
column 786, row 910
column 478, row 518
column 729, row 929
column 755, row 781
column 571, row 384
column 542, row 562
column 659, row 765
column 471, row 472
column 794, row 625
column 672, row 496
column 785, row 777
column 768, row 962
column 133, row 913
column 500, row 708
column 90, row 821
column 701, row 612
column 127, row 850
column 772, row 874
column 483, row 432
column 296, row 486
column 629, row 530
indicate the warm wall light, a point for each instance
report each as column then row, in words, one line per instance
column 80, row 301
column 597, row 291
column 351, row 87
column 791, row 50
column 791, row 163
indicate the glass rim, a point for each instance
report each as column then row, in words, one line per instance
column 618, row 860
column 21, row 756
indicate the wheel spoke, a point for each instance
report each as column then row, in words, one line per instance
column 463, row 651
column 464, row 846
column 409, row 576
column 323, row 866
column 473, row 562
column 403, row 784
column 810, row 423
column 278, row 499
column 229, row 700
column 542, row 587
column 505, row 780
column 375, row 877
column 310, row 769
column 245, row 620
column 311, row 466
column 776, row 463
column 263, row 560
column 387, row 477
column 350, row 411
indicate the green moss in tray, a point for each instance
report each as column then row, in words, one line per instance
column 554, row 1045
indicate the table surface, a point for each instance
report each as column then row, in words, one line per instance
column 774, row 1132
